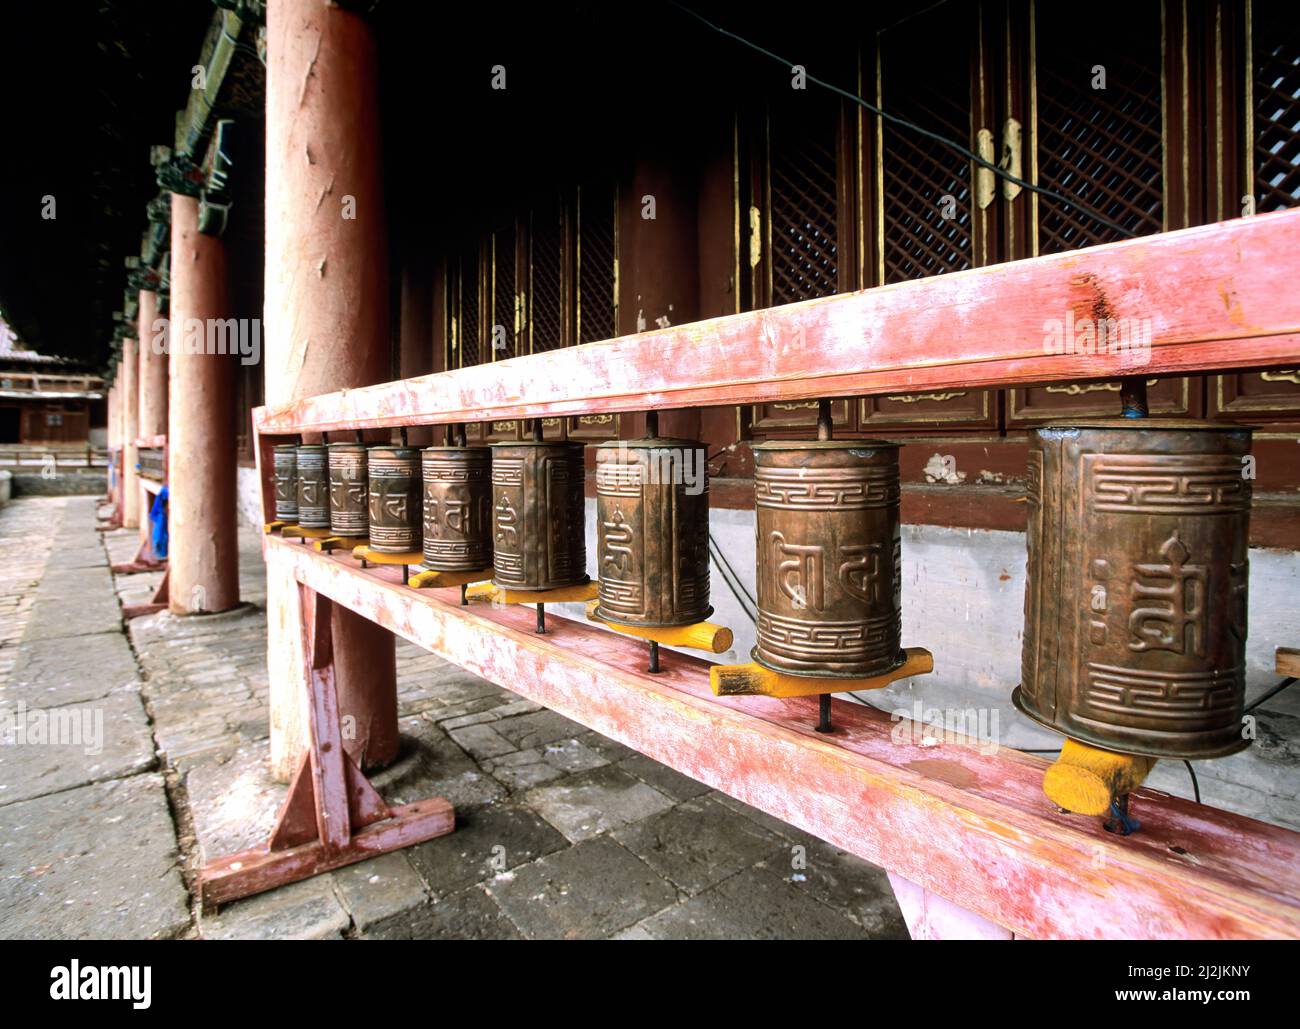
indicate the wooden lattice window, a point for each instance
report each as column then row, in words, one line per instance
column 597, row 261
column 1100, row 145
column 503, row 333
column 927, row 194
column 1275, row 62
column 546, row 276
column 463, row 287
column 803, row 223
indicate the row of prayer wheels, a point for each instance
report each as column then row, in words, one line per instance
column 1135, row 608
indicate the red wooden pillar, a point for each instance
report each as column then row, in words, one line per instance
column 204, row 547
column 130, row 431
column 326, row 316
column 113, row 436
column 152, row 383
column 659, row 278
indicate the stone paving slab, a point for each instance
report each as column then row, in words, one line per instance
column 307, row 910
column 94, row 862
column 107, row 738
column 666, row 780
column 80, row 556
column 755, row 904
column 432, row 765
column 377, row 891
column 234, row 802
column 592, row 802
column 584, row 892
column 468, row 915
column 488, row 841
column 699, row 843
column 69, row 584
column 62, row 617
column 63, row 671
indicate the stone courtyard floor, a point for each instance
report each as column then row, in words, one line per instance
column 561, row 833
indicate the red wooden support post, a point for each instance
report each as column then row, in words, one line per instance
column 332, row 816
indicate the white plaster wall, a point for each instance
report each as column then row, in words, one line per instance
column 248, row 496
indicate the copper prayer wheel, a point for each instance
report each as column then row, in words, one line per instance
column 349, row 492
column 286, row 482
column 394, row 513
column 652, row 525
column 313, row 486
column 829, row 553
column 457, row 508
column 1135, row 599
column 538, row 515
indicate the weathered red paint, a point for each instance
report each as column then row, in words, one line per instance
column 332, row 815
column 1217, row 296
column 971, row 827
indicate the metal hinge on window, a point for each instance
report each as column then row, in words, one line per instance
column 1011, row 146
column 755, row 236
column 985, row 181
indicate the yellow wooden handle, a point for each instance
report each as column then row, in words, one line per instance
column 365, row 552
column 431, row 579
column 1288, row 661
column 502, row 595
column 716, row 639
column 754, row 679
column 1087, row 780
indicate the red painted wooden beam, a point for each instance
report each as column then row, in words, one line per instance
column 1216, row 296
column 972, row 827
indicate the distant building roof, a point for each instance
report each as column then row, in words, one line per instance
column 11, row 351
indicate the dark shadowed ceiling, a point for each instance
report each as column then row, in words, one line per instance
column 88, row 86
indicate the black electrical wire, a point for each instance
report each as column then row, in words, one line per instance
column 927, row 133
column 1196, row 786
column 1288, row 681
column 734, row 583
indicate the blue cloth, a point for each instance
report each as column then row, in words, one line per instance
column 158, row 524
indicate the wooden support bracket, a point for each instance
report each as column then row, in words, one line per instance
column 144, row 561
column 332, row 816
column 159, row 602
column 754, row 680
column 271, row 528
